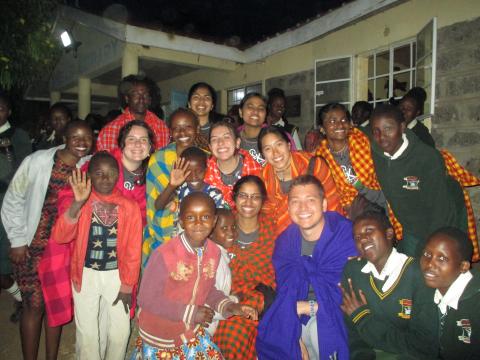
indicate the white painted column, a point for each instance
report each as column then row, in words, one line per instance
column 84, row 97
column 129, row 62
column 55, row 96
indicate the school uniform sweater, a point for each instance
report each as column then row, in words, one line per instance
column 419, row 129
column 397, row 317
column 460, row 333
column 421, row 194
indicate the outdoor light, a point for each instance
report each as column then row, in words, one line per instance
column 66, row 39
column 69, row 42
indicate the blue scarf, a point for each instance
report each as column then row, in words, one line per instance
column 280, row 329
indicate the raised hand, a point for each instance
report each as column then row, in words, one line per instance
column 179, row 172
column 350, row 300
column 81, row 185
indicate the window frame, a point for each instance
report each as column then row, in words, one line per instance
column 391, row 72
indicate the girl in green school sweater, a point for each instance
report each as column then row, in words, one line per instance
column 386, row 303
column 445, row 264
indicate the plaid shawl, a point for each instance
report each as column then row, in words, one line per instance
column 108, row 136
column 277, row 202
column 465, row 179
column 160, row 223
column 54, row 273
column 362, row 162
column 214, row 178
column 250, row 267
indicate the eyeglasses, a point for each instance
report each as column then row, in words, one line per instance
column 253, row 197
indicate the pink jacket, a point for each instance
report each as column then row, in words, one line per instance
column 129, row 238
column 175, row 282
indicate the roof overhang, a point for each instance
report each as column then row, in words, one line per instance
column 323, row 25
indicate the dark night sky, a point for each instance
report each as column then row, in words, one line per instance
column 235, row 22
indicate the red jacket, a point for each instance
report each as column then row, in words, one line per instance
column 129, row 238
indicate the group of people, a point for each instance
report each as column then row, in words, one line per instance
column 224, row 239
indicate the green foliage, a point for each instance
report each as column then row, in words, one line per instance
column 28, row 50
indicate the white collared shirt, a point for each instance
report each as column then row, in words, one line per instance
column 400, row 150
column 5, row 127
column 412, row 124
column 295, row 137
column 392, row 269
column 453, row 294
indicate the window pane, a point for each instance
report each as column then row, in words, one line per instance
column 425, row 41
column 333, row 69
column 401, row 58
column 414, row 54
column 424, row 76
column 383, row 63
column 371, row 90
column 334, row 91
column 254, row 88
column 401, row 84
column 370, row 66
column 381, row 91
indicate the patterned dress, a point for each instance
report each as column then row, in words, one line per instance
column 26, row 273
column 250, row 266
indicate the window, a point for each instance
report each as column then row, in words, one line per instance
column 236, row 95
column 391, row 72
column 333, row 82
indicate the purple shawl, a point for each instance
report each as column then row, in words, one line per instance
column 280, row 329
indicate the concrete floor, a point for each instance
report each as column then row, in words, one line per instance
column 10, row 347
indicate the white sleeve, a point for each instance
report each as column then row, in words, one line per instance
column 13, row 207
column 296, row 139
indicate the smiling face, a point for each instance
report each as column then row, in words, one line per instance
column 104, row 176
column 225, row 232
column 138, row 99
column 254, row 112
column 137, row 144
column 374, row 243
column 223, row 143
column 441, row 263
column 277, row 108
column 79, row 140
column 276, row 151
column 306, row 206
column 249, row 200
column 336, row 125
column 409, row 108
column 184, row 129
column 387, row 133
column 198, row 219
column 197, row 173
column 201, row 102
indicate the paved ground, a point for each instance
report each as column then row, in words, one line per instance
column 10, row 348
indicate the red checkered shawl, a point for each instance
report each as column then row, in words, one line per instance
column 214, row 178
column 108, row 136
column 250, row 267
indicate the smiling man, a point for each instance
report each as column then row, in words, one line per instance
column 138, row 100
column 309, row 258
